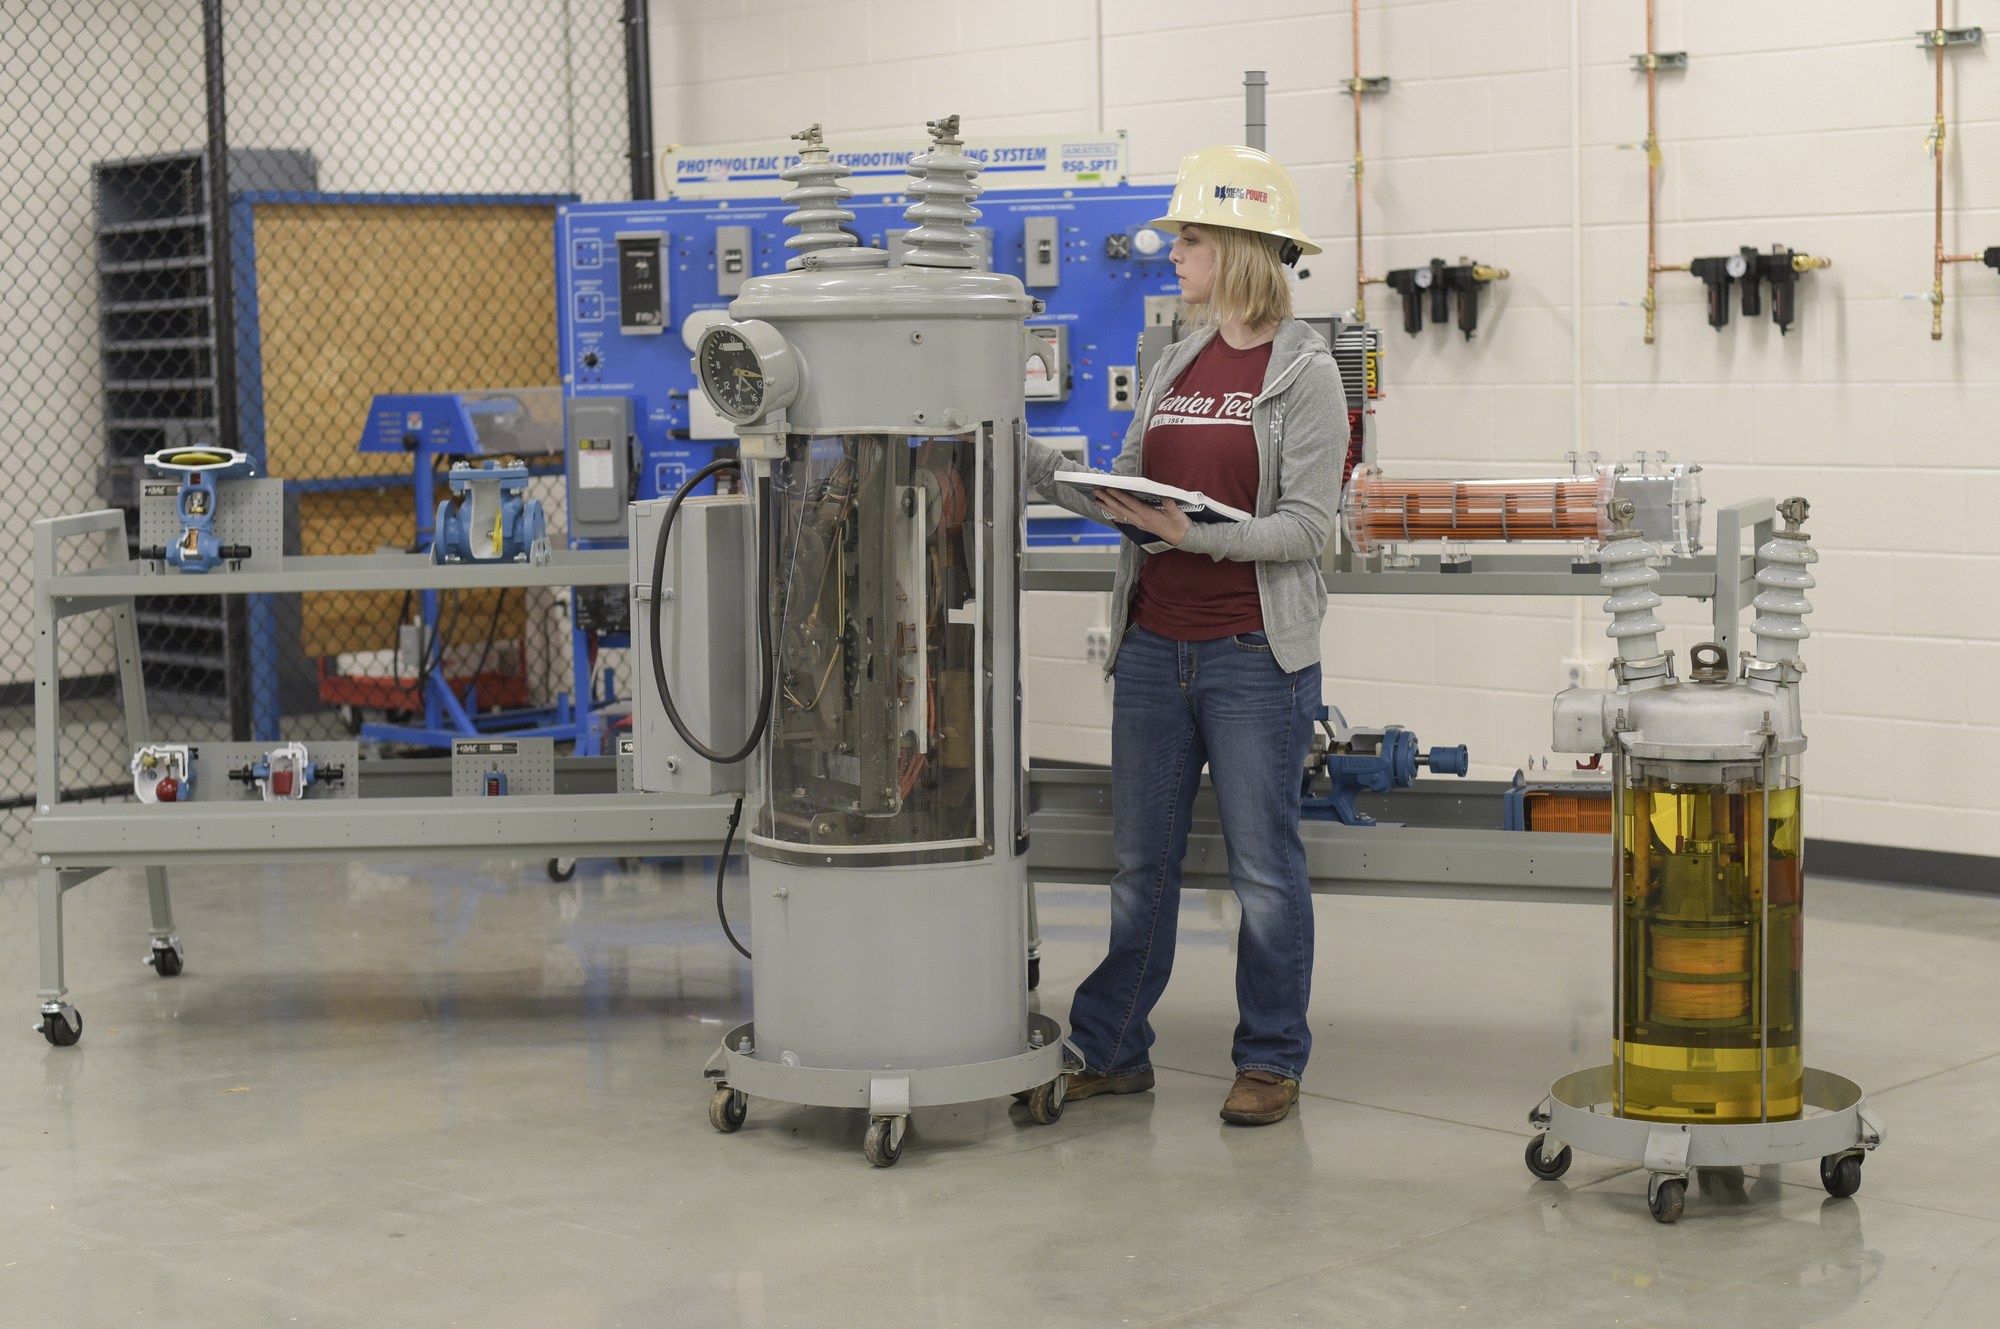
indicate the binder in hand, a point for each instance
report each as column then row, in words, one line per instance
column 1197, row 505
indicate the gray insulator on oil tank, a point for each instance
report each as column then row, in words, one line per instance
column 1628, row 574
column 941, row 214
column 816, row 199
column 1781, row 604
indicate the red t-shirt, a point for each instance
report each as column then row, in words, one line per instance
column 1201, row 437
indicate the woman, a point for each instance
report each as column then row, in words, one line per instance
column 1216, row 655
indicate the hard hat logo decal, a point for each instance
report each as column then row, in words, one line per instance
column 1252, row 195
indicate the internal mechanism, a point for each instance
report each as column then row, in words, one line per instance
column 1710, row 885
column 286, row 772
column 163, row 773
column 880, row 725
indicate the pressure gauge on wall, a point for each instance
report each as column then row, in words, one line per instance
column 747, row 370
column 1736, row 265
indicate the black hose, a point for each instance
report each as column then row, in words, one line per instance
column 768, row 688
column 721, row 867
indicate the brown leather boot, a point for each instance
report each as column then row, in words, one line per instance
column 1089, row 1084
column 1259, row 1098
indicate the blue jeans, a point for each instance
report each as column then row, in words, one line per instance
column 1177, row 706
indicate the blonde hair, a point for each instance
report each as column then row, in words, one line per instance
column 1249, row 279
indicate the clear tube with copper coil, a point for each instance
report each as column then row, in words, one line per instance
column 1379, row 511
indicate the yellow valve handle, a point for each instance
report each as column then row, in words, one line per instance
column 195, row 457
column 498, row 536
column 1653, row 153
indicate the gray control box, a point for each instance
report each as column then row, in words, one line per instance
column 599, row 430
column 706, row 641
column 732, row 259
column 1051, row 384
column 1041, row 237
column 502, row 767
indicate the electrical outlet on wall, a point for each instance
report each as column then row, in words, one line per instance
column 1097, row 644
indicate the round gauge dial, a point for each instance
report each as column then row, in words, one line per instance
column 747, row 370
column 1422, row 277
column 1736, row 266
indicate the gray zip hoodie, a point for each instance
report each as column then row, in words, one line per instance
column 1300, row 420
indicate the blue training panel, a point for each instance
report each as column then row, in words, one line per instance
column 620, row 334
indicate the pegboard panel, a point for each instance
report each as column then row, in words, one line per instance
column 528, row 763
column 214, row 761
column 247, row 512
column 627, row 755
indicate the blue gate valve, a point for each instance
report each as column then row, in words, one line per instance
column 489, row 518
column 1359, row 759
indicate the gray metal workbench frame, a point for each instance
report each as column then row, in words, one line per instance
column 409, row 815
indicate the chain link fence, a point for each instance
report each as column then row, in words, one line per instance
column 386, row 226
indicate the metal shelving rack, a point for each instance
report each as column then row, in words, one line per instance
column 156, row 325
column 1452, row 846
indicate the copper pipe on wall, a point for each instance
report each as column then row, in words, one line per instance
column 1355, row 86
column 1652, row 146
column 1938, row 257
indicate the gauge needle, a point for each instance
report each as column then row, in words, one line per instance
column 748, row 373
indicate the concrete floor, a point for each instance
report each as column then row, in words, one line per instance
column 459, row 1096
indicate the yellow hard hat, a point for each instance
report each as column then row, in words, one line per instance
column 1240, row 187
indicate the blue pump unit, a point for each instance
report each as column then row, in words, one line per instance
column 1359, row 760
column 198, row 549
column 629, row 277
column 489, row 518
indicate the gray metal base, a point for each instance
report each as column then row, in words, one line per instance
column 887, row 1093
column 1836, row 1123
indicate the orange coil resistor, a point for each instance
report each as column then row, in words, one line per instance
column 1379, row 511
column 1697, row 957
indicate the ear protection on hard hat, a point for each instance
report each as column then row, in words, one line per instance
column 1239, row 187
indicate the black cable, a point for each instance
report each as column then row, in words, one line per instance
column 492, row 627
column 768, row 688
column 722, row 867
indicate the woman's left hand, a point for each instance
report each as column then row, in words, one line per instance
column 1166, row 521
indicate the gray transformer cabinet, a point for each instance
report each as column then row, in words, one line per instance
column 880, row 419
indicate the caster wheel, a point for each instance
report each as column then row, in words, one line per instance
column 64, row 1028
column 166, row 961
column 561, row 869
column 727, row 1108
column 1034, row 973
column 1667, row 1200
column 1045, row 1102
column 1840, row 1174
column 881, row 1146
column 1552, row 1168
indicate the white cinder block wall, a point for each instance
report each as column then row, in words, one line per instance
column 1796, row 122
